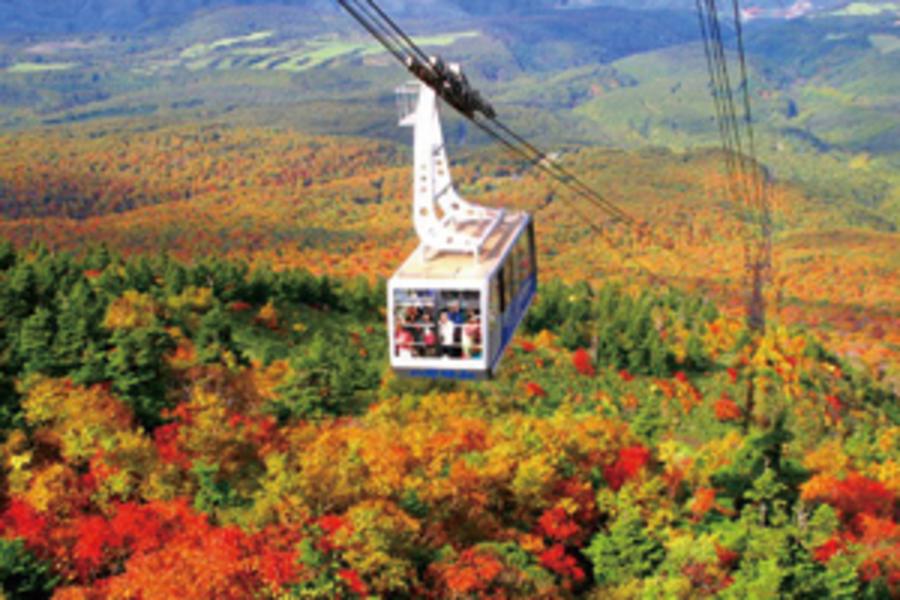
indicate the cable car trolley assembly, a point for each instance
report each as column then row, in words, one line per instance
column 456, row 302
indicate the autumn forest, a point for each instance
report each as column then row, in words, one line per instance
column 195, row 395
column 200, row 398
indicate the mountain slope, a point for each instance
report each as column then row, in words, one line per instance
column 825, row 90
column 78, row 16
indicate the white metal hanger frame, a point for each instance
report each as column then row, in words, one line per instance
column 443, row 221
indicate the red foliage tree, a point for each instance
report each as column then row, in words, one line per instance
column 472, row 574
column 581, row 360
column 629, row 463
column 557, row 525
column 830, row 548
column 726, row 409
column 535, row 390
column 354, row 582
column 859, row 495
column 556, row 559
column 20, row 520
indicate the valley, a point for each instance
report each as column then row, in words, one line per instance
column 123, row 111
column 200, row 205
column 819, row 99
column 340, row 206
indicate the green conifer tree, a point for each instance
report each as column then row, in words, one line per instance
column 7, row 255
column 628, row 551
column 215, row 340
column 35, row 342
column 137, row 368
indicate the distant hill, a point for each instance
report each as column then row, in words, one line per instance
column 79, row 16
column 825, row 89
column 75, row 16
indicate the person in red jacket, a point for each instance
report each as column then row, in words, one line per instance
column 404, row 340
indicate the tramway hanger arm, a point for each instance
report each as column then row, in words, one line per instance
column 450, row 84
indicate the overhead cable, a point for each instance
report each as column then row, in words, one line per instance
column 407, row 52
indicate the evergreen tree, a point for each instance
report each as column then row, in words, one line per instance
column 7, row 255
column 54, row 273
column 295, row 287
column 97, row 258
column 139, row 275
column 225, row 278
column 327, row 378
column 79, row 319
column 633, row 341
column 358, row 299
column 762, row 454
column 215, row 341
column 35, row 342
column 696, row 358
column 19, row 297
column 112, row 282
column 775, row 562
column 137, row 368
column 22, row 575
column 628, row 551
column 659, row 361
column 261, row 285
column 175, row 277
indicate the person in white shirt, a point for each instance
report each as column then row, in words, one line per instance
column 447, row 330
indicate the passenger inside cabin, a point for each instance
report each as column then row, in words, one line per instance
column 448, row 328
column 411, row 314
column 471, row 338
column 438, row 325
column 429, row 336
column 405, row 340
column 457, row 315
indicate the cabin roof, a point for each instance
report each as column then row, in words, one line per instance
column 460, row 266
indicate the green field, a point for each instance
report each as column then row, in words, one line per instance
column 865, row 9
column 198, row 50
column 264, row 51
column 885, row 43
column 33, row 67
column 825, row 91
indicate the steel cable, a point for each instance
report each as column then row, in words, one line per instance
column 402, row 47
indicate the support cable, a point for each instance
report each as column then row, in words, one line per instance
column 400, row 45
column 745, row 176
column 405, row 50
column 393, row 25
column 373, row 30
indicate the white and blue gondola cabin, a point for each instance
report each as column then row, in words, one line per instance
column 455, row 304
column 451, row 317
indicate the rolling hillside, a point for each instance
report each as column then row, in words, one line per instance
column 209, row 430
column 599, row 75
column 200, row 203
column 341, row 207
column 80, row 16
column 254, row 79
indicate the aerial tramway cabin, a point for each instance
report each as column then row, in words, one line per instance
column 456, row 302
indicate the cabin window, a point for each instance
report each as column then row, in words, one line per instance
column 438, row 324
column 517, row 268
column 532, row 247
column 496, row 299
column 509, row 281
column 522, row 257
column 499, row 280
